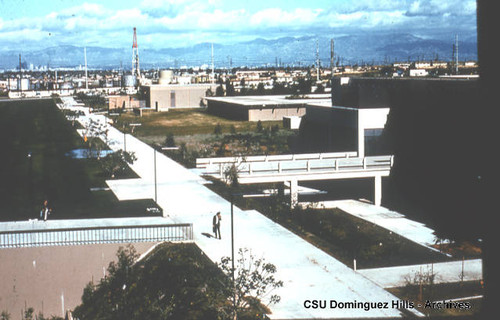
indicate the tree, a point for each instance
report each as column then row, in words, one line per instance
column 117, row 162
column 219, row 91
column 261, row 89
column 320, row 88
column 218, row 129
column 259, row 127
column 169, row 140
column 229, row 88
column 231, row 174
column 4, row 315
column 96, row 137
column 254, row 282
column 304, row 86
column 175, row 281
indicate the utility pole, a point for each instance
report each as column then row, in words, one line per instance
column 456, row 54
column 317, row 60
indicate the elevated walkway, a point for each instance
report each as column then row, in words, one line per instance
column 35, row 233
column 293, row 171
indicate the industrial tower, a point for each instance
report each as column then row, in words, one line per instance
column 135, row 57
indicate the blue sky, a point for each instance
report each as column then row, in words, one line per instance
column 33, row 24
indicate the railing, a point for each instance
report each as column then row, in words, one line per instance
column 96, row 235
column 205, row 162
column 304, row 166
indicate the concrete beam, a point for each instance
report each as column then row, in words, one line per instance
column 305, row 176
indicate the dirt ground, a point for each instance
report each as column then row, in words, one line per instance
column 51, row 279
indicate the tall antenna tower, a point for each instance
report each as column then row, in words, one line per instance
column 332, row 56
column 20, row 74
column 317, row 59
column 86, row 75
column 135, row 57
column 213, row 68
column 456, row 53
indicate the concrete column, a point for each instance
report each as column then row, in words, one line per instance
column 378, row 190
column 294, row 193
column 361, row 138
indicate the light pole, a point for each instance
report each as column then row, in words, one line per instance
column 156, row 187
column 232, row 258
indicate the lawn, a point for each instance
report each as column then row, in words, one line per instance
column 35, row 166
column 183, row 122
column 200, row 134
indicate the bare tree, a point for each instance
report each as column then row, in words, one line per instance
column 254, row 283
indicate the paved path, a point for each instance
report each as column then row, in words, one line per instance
column 445, row 272
column 307, row 272
column 385, row 218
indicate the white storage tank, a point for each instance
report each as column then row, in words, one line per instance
column 129, row 80
column 23, row 84
column 166, row 76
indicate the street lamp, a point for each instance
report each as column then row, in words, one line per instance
column 232, row 257
column 156, row 186
column 133, row 125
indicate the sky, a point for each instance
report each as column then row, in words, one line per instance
column 32, row 24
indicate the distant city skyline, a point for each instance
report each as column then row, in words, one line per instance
column 31, row 24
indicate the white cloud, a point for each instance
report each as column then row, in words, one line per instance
column 192, row 21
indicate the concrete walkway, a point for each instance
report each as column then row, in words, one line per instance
column 445, row 272
column 307, row 272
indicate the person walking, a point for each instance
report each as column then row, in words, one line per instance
column 216, row 225
column 44, row 213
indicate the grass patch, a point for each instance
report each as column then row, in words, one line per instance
column 200, row 134
column 183, row 122
column 36, row 139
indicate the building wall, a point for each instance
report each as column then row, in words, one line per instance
column 163, row 97
column 369, row 119
column 127, row 102
column 228, row 110
column 382, row 92
column 275, row 114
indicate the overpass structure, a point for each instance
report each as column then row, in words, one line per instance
column 311, row 167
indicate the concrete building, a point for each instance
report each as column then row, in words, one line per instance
column 161, row 97
column 263, row 108
column 124, row 102
column 356, row 117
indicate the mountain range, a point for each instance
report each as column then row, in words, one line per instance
column 292, row 51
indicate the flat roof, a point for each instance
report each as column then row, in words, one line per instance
column 271, row 100
column 165, row 85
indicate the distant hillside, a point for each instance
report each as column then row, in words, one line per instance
column 289, row 51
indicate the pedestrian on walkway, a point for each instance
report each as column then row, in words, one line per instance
column 216, row 224
column 46, row 210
